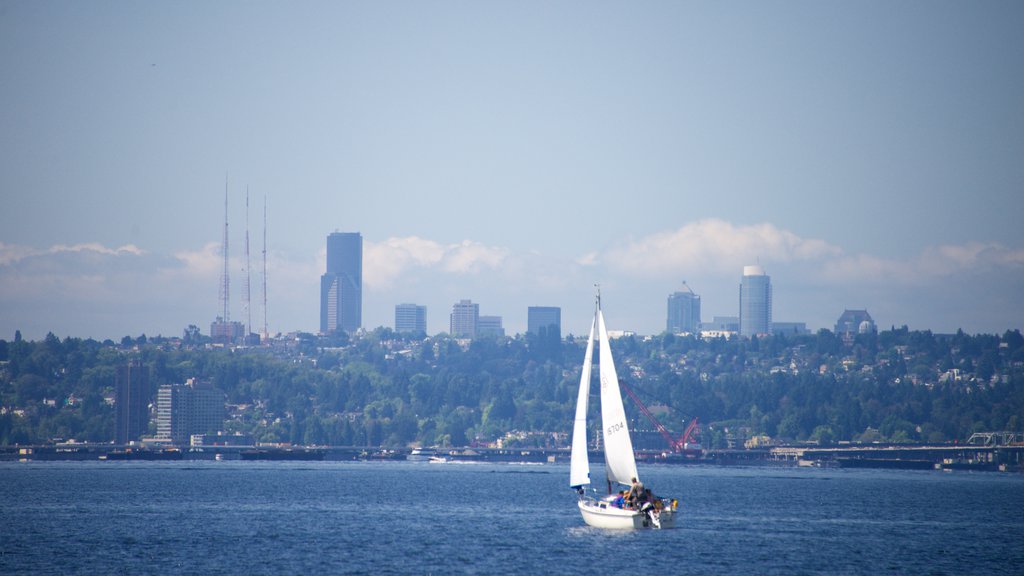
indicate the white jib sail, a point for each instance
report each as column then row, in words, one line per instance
column 618, row 448
column 579, row 465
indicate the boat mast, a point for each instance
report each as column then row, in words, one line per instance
column 597, row 312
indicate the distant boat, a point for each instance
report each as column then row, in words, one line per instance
column 422, row 454
column 620, row 461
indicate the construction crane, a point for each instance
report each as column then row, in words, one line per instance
column 685, row 444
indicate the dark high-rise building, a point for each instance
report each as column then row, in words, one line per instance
column 410, row 319
column 683, row 311
column 755, row 302
column 341, row 287
column 544, row 320
column 187, row 409
column 132, row 390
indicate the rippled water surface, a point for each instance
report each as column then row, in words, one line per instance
column 399, row 518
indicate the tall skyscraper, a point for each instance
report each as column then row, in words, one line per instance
column 187, row 409
column 132, row 389
column 683, row 311
column 544, row 320
column 410, row 319
column 341, row 287
column 755, row 302
column 464, row 317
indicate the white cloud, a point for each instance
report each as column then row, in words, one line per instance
column 385, row 262
column 13, row 253
column 472, row 257
column 127, row 249
column 717, row 247
column 713, row 245
column 588, row 259
column 932, row 264
column 208, row 261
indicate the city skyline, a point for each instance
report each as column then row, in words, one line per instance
column 866, row 155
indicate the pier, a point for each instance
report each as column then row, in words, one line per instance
column 1008, row 458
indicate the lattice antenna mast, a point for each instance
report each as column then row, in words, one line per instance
column 248, row 266
column 266, row 333
column 225, row 281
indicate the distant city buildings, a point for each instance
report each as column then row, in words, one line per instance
column 463, row 319
column 187, row 409
column 226, row 332
column 544, row 320
column 853, row 322
column 466, row 322
column 789, row 328
column 131, row 386
column 683, row 311
column 341, row 287
column 410, row 319
column 489, row 326
column 720, row 327
column 722, row 324
column 755, row 302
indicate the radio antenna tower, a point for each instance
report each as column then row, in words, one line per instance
column 224, row 279
column 248, row 293
column 266, row 333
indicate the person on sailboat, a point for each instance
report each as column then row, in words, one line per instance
column 620, row 500
column 636, row 493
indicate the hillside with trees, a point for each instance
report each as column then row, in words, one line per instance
column 384, row 389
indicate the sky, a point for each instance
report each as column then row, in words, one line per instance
column 868, row 155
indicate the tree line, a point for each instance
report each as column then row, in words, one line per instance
column 386, row 389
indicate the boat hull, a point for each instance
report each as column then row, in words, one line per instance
column 602, row 515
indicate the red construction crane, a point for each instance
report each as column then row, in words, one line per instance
column 685, row 443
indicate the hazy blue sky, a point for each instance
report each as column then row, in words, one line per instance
column 867, row 154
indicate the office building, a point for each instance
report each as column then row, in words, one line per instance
column 683, row 312
column 341, row 287
column 489, row 326
column 187, row 409
column 410, row 319
column 544, row 321
column 853, row 322
column 132, row 391
column 226, row 332
column 789, row 328
column 721, row 324
column 755, row 302
column 464, row 317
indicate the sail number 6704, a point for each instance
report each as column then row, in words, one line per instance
column 615, row 428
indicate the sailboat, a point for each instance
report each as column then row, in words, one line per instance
column 620, row 462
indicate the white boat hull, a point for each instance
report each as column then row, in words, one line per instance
column 603, row 515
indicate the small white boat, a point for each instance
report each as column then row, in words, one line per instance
column 422, row 454
column 620, row 462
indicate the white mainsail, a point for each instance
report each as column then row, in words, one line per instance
column 579, row 465
column 618, row 448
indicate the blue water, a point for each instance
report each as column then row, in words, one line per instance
column 418, row 518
